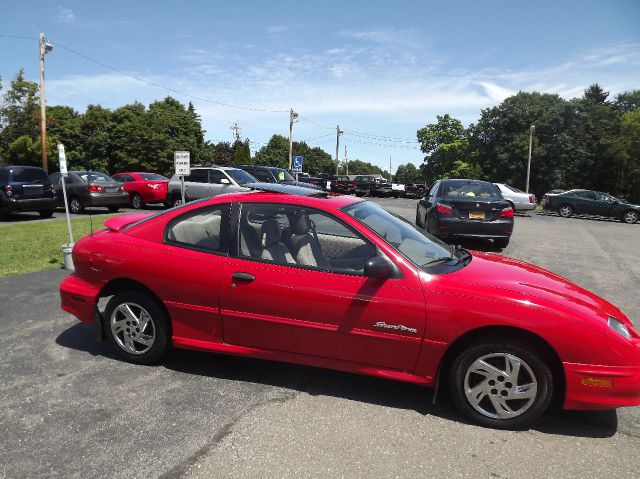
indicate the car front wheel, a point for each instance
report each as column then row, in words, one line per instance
column 137, row 327
column 76, row 206
column 501, row 385
column 565, row 211
column 631, row 217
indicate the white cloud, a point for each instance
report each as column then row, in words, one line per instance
column 65, row 15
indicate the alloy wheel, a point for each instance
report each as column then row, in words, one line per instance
column 565, row 211
column 136, row 202
column 630, row 217
column 500, row 386
column 133, row 328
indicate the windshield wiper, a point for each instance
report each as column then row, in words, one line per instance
column 438, row 260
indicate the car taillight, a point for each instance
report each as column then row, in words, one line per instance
column 95, row 188
column 444, row 209
column 121, row 188
column 507, row 212
column 531, row 199
column 153, row 186
column 8, row 189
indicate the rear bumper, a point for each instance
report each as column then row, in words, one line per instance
column 120, row 199
column 601, row 387
column 451, row 226
column 78, row 298
column 524, row 206
column 27, row 204
column 152, row 196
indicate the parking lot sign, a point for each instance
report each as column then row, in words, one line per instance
column 297, row 164
column 182, row 163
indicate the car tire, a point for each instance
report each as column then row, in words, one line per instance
column 137, row 327
column 137, row 202
column 630, row 217
column 76, row 206
column 484, row 379
column 45, row 213
column 113, row 209
column 176, row 201
column 501, row 243
column 565, row 211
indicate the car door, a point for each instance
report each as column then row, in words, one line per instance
column 428, row 202
column 585, row 202
column 603, row 205
column 196, row 185
column 220, row 183
column 332, row 311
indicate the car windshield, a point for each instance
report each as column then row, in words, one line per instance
column 281, row 175
column 241, row 177
column 95, row 176
column 416, row 245
column 152, row 176
column 28, row 175
column 469, row 189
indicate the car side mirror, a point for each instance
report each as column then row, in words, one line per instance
column 224, row 181
column 378, row 267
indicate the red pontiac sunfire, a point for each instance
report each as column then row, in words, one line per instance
column 290, row 274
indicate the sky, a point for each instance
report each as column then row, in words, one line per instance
column 380, row 70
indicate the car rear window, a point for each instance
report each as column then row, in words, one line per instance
column 152, row 176
column 28, row 175
column 95, row 176
column 469, row 189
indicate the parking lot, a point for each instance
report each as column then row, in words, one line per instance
column 71, row 409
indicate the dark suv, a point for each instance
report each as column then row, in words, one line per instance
column 273, row 174
column 25, row 188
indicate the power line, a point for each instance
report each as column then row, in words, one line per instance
column 158, row 85
column 315, row 123
column 21, row 37
column 374, row 136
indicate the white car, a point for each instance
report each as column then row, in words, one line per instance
column 520, row 201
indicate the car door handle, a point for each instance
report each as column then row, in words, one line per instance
column 241, row 277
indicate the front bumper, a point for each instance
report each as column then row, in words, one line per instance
column 592, row 387
column 78, row 298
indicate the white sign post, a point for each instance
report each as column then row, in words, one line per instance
column 182, row 163
column 68, row 248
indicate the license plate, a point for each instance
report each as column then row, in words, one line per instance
column 476, row 215
column 32, row 189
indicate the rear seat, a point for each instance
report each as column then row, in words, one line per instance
column 198, row 231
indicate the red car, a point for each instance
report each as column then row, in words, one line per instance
column 291, row 274
column 144, row 188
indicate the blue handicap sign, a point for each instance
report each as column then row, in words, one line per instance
column 297, row 164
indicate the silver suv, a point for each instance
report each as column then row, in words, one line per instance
column 205, row 182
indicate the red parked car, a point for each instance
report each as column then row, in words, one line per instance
column 292, row 274
column 144, row 188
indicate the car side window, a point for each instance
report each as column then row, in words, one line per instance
column 215, row 176
column 586, row 195
column 198, row 176
column 204, row 229
column 433, row 189
column 301, row 237
column 603, row 197
column 54, row 178
column 263, row 176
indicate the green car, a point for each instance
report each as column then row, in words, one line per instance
column 586, row 202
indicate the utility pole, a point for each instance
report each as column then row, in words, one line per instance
column 293, row 118
column 390, row 168
column 346, row 160
column 338, row 133
column 533, row 127
column 44, row 49
column 236, row 130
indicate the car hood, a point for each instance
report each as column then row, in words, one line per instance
column 499, row 278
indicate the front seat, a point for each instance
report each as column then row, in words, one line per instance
column 304, row 244
column 273, row 249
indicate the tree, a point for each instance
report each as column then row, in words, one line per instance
column 19, row 115
column 241, row 152
column 408, row 174
column 274, row 153
column 443, row 143
column 627, row 101
column 223, row 153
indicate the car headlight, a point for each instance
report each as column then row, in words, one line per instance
column 619, row 327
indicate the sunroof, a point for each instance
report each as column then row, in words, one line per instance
column 286, row 189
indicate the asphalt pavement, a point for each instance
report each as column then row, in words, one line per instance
column 71, row 409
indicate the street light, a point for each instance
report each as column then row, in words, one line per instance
column 45, row 47
column 531, row 129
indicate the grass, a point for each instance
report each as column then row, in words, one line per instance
column 36, row 246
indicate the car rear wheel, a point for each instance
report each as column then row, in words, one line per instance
column 46, row 213
column 137, row 327
column 565, row 211
column 501, row 242
column 501, row 385
column 137, row 202
column 177, row 201
column 630, row 217
column 76, row 206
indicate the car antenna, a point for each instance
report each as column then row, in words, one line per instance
column 88, row 167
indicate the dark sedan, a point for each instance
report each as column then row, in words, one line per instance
column 90, row 188
column 466, row 208
column 587, row 202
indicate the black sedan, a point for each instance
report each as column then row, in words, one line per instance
column 466, row 208
column 587, row 202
